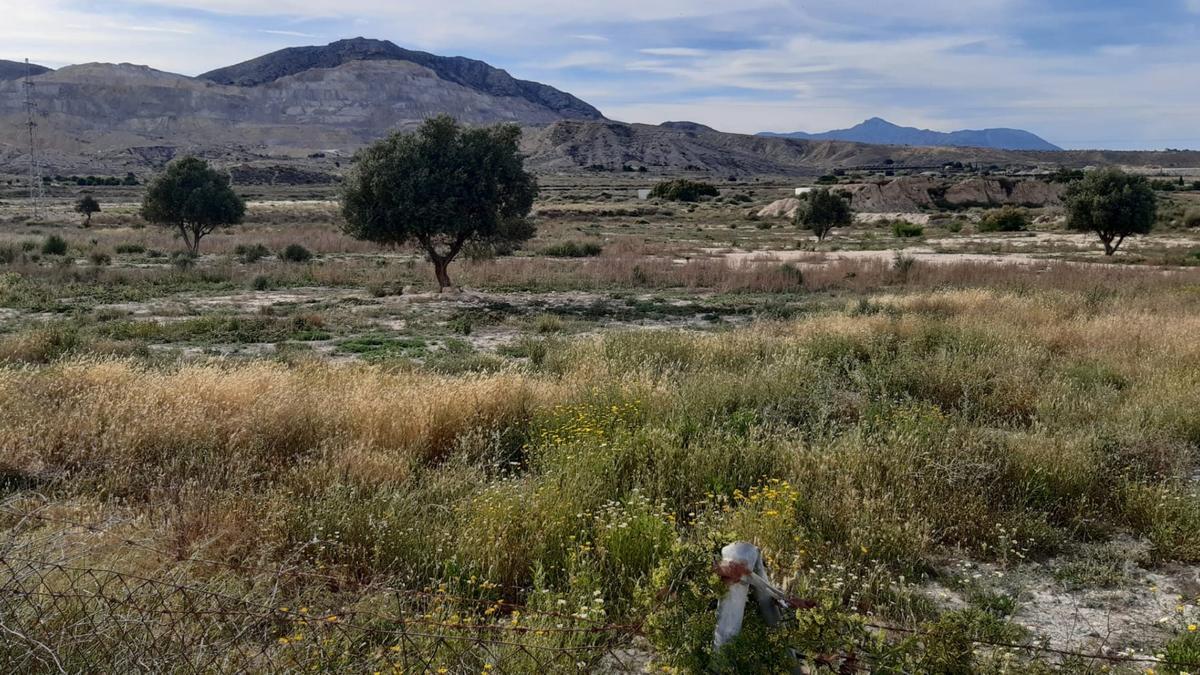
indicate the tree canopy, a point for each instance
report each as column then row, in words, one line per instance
column 1113, row 204
column 442, row 186
column 684, row 190
column 822, row 210
column 87, row 205
column 193, row 198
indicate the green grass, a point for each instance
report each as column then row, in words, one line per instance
column 381, row 347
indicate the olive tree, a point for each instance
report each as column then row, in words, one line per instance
column 87, row 205
column 1113, row 204
column 823, row 210
column 193, row 198
column 442, row 186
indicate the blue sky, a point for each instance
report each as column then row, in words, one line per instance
column 1099, row 73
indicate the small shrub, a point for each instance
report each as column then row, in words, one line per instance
column 461, row 325
column 261, row 283
column 100, row 258
column 1192, row 218
column 1185, row 648
column 1007, row 219
column 54, row 245
column 130, row 249
column 906, row 230
column 183, row 260
column 295, row 253
column 903, row 265
column 548, row 323
column 251, row 253
column 684, row 190
column 573, row 249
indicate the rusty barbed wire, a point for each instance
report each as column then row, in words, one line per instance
column 63, row 618
column 60, row 617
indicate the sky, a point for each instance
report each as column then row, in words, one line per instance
column 1116, row 74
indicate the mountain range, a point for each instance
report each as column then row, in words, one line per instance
column 305, row 110
column 882, row 132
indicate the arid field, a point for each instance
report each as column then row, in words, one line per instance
column 962, row 451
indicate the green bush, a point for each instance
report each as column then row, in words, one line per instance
column 295, row 253
column 183, row 260
column 573, row 249
column 251, row 253
column 100, row 258
column 907, row 230
column 684, row 190
column 1007, row 219
column 1192, row 218
column 54, row 245
column 130, row 249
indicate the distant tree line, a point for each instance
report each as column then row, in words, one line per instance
column 89, row 181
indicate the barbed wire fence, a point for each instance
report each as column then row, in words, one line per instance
column 59, row 616
column 61, row 613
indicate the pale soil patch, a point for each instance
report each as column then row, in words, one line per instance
column 920, row 253
column 256, row 300
column 1140, row 614
column 872, row 218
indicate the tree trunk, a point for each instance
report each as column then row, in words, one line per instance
column 439, row 270
column 440, row 261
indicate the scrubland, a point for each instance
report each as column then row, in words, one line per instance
column 875, row 440
column 936, row 458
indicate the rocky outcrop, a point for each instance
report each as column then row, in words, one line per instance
column 1000, row 192
column 784, row 208
column 912, row 195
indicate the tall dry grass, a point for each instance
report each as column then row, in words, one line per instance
column 136, row 426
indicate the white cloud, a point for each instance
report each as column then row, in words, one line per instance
column 673, row 51
column 289, row 33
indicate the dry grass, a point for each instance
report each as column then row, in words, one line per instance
column 114, row 418
column 876, row 438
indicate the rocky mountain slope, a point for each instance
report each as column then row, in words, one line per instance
column 15, row 70
column 303, row 112
column 290, row 104
column 882, row 132
column 469, row 73
column 571, row 145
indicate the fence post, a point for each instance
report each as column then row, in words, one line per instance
column 744, row 573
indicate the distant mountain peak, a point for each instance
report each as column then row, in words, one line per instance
column 15, row 70
column 459, row 70
column 879, row 131
column 690, row 127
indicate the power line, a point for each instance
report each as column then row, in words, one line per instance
column 36, row 189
